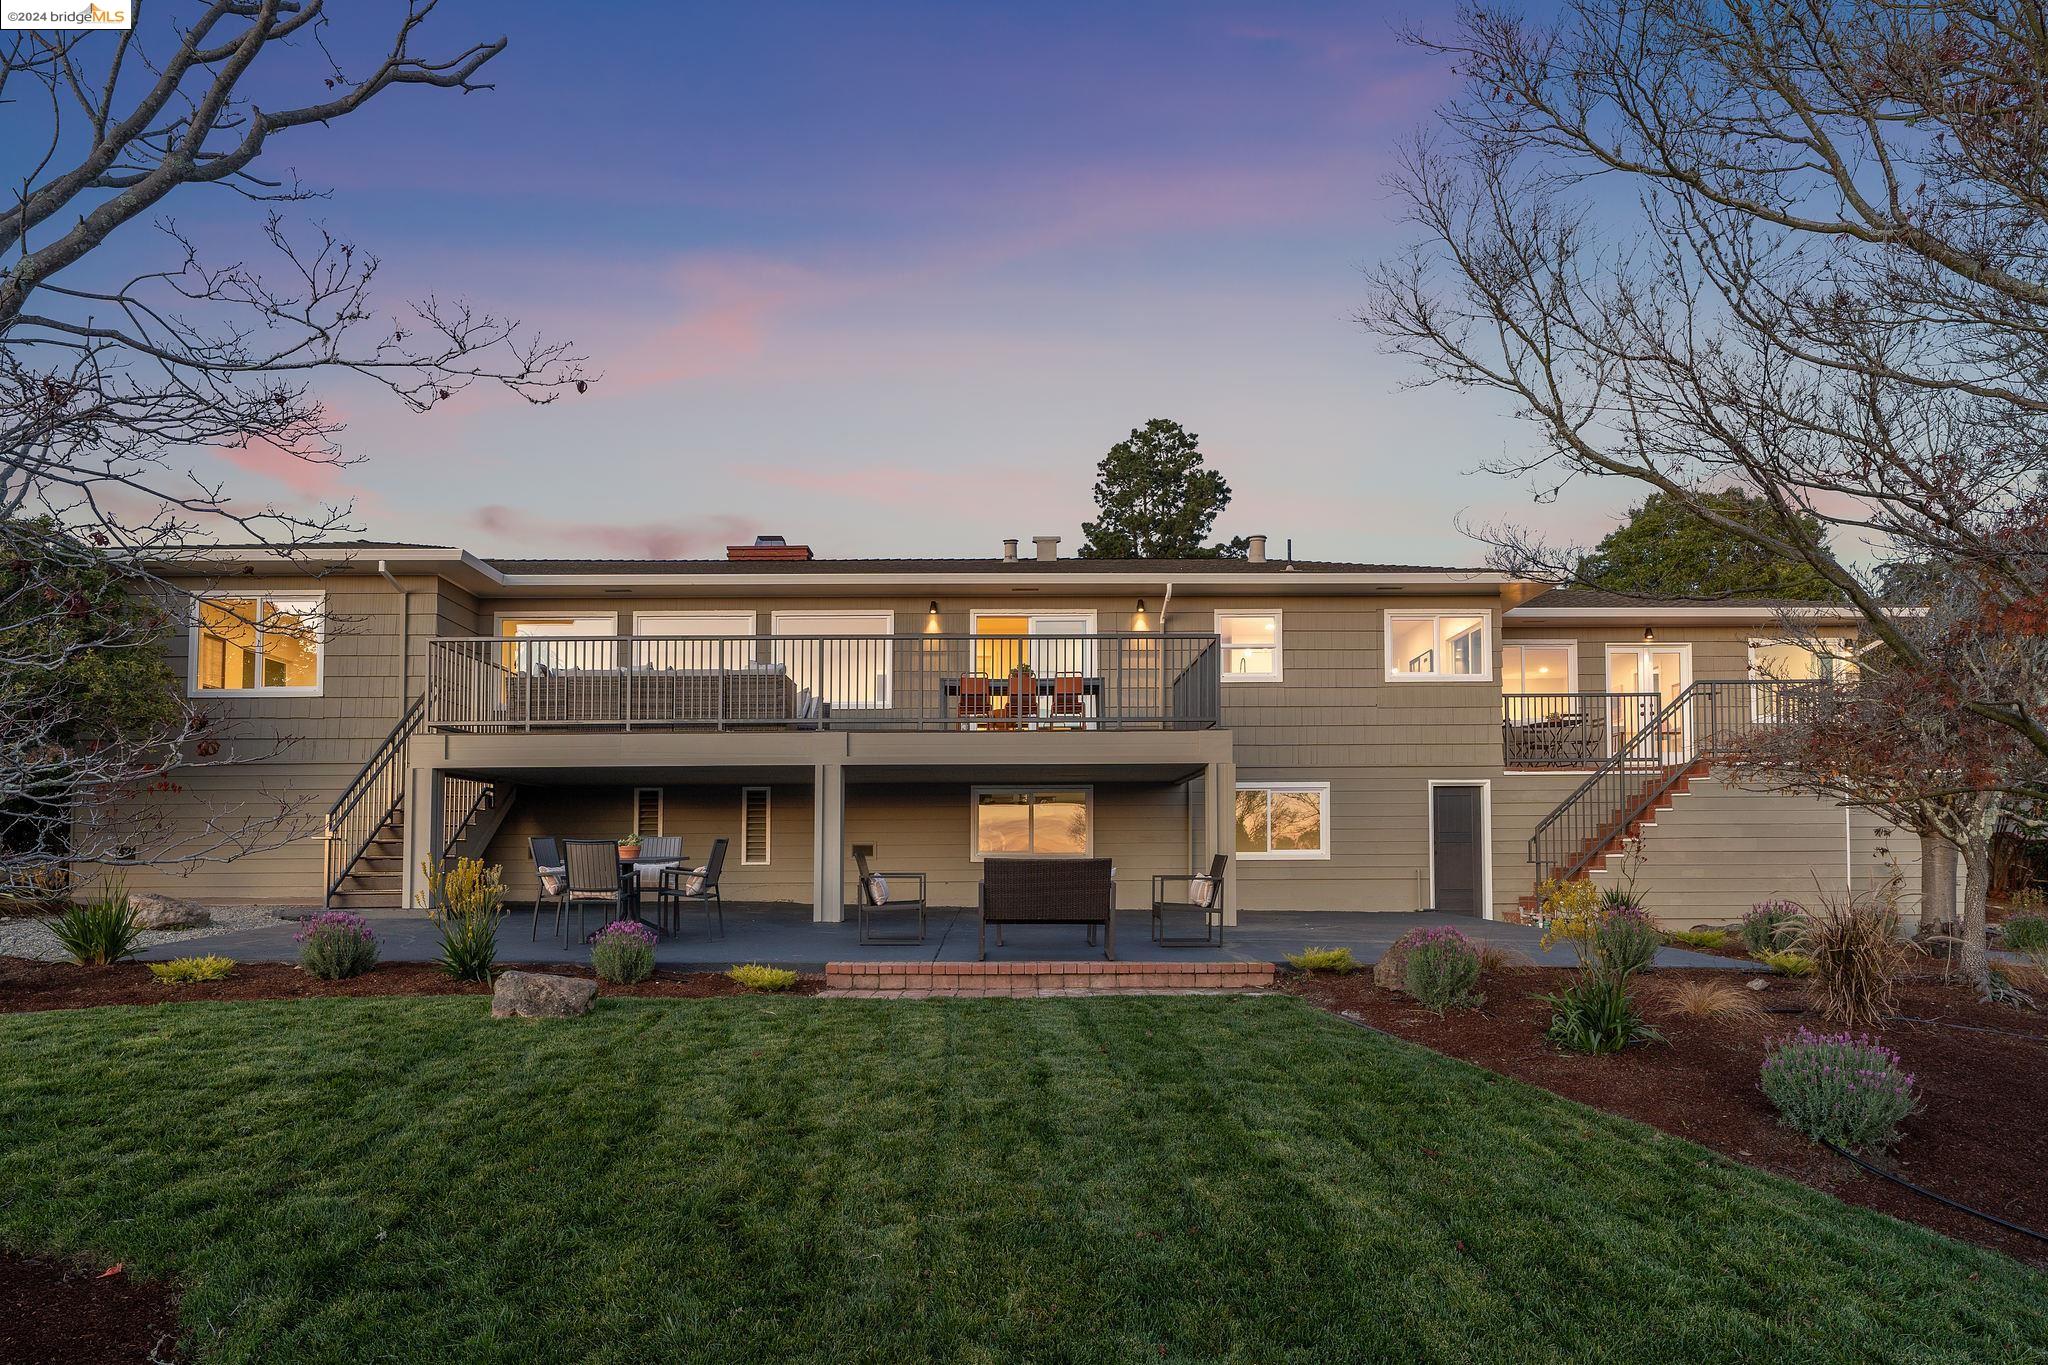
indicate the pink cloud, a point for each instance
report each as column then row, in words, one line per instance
column 645, row 540
column 307, row 478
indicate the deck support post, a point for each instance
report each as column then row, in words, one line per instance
column 423, row 815
column 1219, row 795
column 828, row 854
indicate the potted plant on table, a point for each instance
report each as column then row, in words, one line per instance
column 629, row 847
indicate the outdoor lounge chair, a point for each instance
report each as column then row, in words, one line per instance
column 864, row 898
column 553, row 877
column 1206, row 904
column 675, row 889
column 594, row 883
column 1048, row 891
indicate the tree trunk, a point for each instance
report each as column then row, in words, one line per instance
column 1971, row 953
column 1937, row 883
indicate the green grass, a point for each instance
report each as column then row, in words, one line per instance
column 769, row 1179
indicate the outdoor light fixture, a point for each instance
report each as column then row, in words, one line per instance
column 931, row 619
column 1138, row 621
column 1649, row 635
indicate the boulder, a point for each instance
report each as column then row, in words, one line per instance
column 153, row 911
column 540, row 995
column 1390, row 973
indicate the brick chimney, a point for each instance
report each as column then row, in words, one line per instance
column 768, row 547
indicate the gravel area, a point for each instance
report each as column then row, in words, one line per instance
column 31, row 938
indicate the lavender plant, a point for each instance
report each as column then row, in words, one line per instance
column 1771, row 926
column 1441, row 969
column 1843, row 1088
column 623, row 952
column 335, row 945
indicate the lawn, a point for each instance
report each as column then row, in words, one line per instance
column 759, row 1179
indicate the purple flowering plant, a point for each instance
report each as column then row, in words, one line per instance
column 1441, row 969
column 1844, row 1088
column 622, row 952
column 335, row 945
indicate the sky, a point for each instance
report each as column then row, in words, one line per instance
column 890, row 279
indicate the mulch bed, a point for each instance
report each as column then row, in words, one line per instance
column 27, row 985
column 55, row 1314
column 1977, row 1139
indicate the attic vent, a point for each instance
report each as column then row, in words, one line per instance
column 647, row 812
column 768, row 547
column 753, row 826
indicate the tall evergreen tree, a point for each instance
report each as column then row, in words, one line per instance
column 1156, row 498
column 1665, row 549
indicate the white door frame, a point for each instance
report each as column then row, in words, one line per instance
column 1485, row 785
column 1639, row 648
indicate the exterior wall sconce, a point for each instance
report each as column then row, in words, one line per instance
column 1138, row 621
column 1649, row 635
column 931, row 619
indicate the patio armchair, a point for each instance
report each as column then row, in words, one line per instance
column 868, row 903
column 679, row 886
column 553, row 876
column 1201, row 894
column 595, row 883
column 1048, row 891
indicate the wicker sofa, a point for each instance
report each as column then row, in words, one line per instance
column 1048, row 891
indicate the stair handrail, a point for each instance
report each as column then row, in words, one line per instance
column 381, row 782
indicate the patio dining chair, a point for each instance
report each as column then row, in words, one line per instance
column 594, row 882
column 1201, row 894
column 678, row 886
column 977, row 705
column 1069, row 698
column 869, row 902
column 552, row 875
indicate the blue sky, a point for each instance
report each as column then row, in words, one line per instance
column 891, row 278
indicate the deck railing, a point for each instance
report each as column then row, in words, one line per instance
column 1570, row 729
column 826, row 682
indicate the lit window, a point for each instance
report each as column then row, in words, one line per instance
column 257, row 644
column 1537, row 670
column 1801, row 660
column 1016, row 822
column 693, row 639
column 1251, row 645
column 833, row 659
column 1433, row 645
column 559, row 643
column 1283, row 820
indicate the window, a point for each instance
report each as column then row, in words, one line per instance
column 1439, row 645
column 1024, row 822
column 1539, row 670
column 258, row 643
column 1251, row 645
column 647, row 812
column 850, row 673
column 694, row 651
column 557, row 642
column 753, row 826
column 1283, row 819
column 1801, row 660
column 1050, row 642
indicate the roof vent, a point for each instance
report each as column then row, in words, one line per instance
column 768, row 547
column 1255, row 549
column 1010, row 550
column 1048, row 546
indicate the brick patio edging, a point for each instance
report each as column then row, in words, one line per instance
column 1035, row 978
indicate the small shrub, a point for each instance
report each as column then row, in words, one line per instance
column 756, row 977
column 1337, row 960
column 2027, row 933
column 1441, row 969
column 1624, row 940
column 98, row 932
column 1498, row 957
column 1856, row 952
column 1838, row 1087
column 623, row 952
column 1788, row 963
column 1597, row 1014
column 1770, row 926
column 1708, row 1000
column 466, row 901
column 1569, row 912
column 1619, row 898
column 181, row 971
column 1696, row 938
column 336, row 945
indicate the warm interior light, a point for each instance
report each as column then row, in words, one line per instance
column 1649, row 634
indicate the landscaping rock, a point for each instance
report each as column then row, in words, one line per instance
column 1390, row 973
column 1757, row 983
column 539, row 995
column 155, row 912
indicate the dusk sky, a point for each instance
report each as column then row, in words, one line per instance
column 891, row 278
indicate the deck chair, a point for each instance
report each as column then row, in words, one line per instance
column 1201, row 894
column 869, row 903
column 678, row 887
column 595, row 883
column 553, row 876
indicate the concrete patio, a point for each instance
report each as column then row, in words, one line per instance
column 786, row 936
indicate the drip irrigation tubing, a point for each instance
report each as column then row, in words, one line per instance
column 1942, row 1199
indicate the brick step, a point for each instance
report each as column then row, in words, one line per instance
column 891, row 979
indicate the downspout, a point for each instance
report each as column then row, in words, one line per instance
column 404, row 635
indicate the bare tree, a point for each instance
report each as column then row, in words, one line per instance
column 1795, row 248
column 115, row 379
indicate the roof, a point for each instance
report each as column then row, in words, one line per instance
column 1580, row 599
column 1026, row 564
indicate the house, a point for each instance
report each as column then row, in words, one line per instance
column 1359, row 736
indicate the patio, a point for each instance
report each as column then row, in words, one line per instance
column 786, row 936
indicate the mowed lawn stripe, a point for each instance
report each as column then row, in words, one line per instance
column 1084, row 1179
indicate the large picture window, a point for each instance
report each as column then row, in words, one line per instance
column 732, row 647
column 1454, row 646
column 1539, row 670
column 1251, row 645
column 1283, row 820
column 850, row 672
column 558, row 642
column 1033, row 822
column 258, row 643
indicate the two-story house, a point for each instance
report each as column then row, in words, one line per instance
column 1357, row 736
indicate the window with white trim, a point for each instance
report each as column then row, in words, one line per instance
column 693, row 649
column 1813, row 660
column 849, row 672
column 1539, row 670
column 754, row 827
column 260, row 642
column 1454, row 646
column 1251, row 645
column 1283, row 820
column 1033, row 822
column 558, row 642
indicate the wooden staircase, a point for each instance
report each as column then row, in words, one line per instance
column 1657, row 793
column 376, row 879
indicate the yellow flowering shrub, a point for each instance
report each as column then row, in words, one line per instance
column 1570, row 912
column 180, row 970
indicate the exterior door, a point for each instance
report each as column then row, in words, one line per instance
column 1457, row 856
column 1663, row 671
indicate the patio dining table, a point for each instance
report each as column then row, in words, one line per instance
column 638, row 873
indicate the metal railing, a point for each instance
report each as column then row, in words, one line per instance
column 500, row 684
column 1702, row 722
column 370, row 799
column 462, row 800
column 1570, row 729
